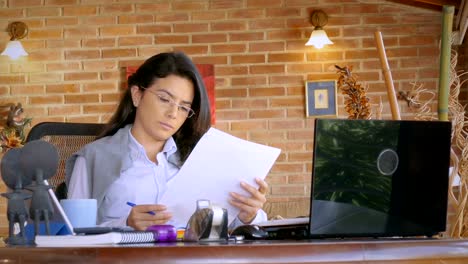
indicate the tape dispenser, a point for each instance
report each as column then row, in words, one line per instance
column 208, row 223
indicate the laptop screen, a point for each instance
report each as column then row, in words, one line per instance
column 379, row 178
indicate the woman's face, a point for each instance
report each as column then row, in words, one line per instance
column 162, row 108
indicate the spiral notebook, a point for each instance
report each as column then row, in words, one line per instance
column 127, row 237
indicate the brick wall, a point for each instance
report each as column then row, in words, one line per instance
column 78, row 50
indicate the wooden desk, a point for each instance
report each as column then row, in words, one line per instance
column 408, row 252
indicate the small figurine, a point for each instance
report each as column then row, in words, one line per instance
column 17, row 211
column 39, row 161
column 17, row 120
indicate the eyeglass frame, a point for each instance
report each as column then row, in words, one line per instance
column 169, row 101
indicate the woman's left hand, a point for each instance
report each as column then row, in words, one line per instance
column 249, row 206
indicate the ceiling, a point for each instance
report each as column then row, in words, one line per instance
column 460, row 19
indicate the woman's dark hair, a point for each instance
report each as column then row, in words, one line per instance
column 161, row 66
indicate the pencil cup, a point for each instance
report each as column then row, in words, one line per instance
column 81, row 212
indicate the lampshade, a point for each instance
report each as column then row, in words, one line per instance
column 318, row 37
column 14, row 48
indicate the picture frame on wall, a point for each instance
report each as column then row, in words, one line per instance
column 321, row 98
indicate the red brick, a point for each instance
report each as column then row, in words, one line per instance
column 80, row 76
column 232, row 115
column 132, row 41
column 229, row 26
column 254, row 114
column 208, row 15
column 171, row 39
column 62, row 88
column 247, row 59
column 190, row 28
column 161, row 7
column 172, row 17
column 104, row 42
column 45, row 77
column 153, row 29
column 119, row 53
column 225, row 4
column 60, row 21
column 116, row 8
column 99, row 87
column 230, row 70
column 263, row 3
column 27, row 67
column 100, row 108
column 80, row 11
column 192, row 49
column 249, row 80
column 283, row 12
column 46, row 99
column 64, row 110
column 60, row 2
column 228, row 48
column 189, row 6
column 81, row 32
column 248, row 125
column 65, row 66
column 267, row 46
column 81, row 98
column 283, row 34
column 250, row 36
column 286, row 102
column 27, row 89
column 99, row 20
column 305, row 68
column 267, row 69
column 286, row 57
column 24, row 3
column 82, row 54
column 247, row 13
column 290, row 79
column 45, row 34
column 43, row 11
column 267, row 24
column 209, row 38
column 135, row 19
column 120, row 30
column 232, row 92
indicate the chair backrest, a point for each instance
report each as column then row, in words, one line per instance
column 67, row 138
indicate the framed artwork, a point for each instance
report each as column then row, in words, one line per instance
column 207, row 73
column 321, row 98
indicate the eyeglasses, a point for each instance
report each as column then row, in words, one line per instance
column 167, row 102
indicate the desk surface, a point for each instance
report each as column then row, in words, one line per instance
column 446, row 251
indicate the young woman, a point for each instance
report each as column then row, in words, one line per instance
column 159, row 120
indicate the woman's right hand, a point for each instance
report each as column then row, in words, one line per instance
column 140, row 217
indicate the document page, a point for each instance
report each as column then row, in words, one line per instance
column 216, row 166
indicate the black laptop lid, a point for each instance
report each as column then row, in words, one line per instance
column 379, row 178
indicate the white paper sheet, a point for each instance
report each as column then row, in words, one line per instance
column 216, row 167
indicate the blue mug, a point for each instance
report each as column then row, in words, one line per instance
column 80, row 212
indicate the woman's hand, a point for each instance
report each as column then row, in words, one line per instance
column 249, row 206
column 140, row 216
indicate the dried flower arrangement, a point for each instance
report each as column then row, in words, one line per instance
column 459, row 153
column 357, row 104
column 12, row 134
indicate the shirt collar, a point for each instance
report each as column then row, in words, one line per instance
column 137, row 151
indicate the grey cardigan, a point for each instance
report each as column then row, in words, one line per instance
column 106, row 158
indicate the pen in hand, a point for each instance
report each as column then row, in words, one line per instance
column 132, row 205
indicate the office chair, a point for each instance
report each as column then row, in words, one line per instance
column 67, row 138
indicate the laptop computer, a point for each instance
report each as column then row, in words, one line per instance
column 376, row 178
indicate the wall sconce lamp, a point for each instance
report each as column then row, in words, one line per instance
column 14, row 49
column 319, row 37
